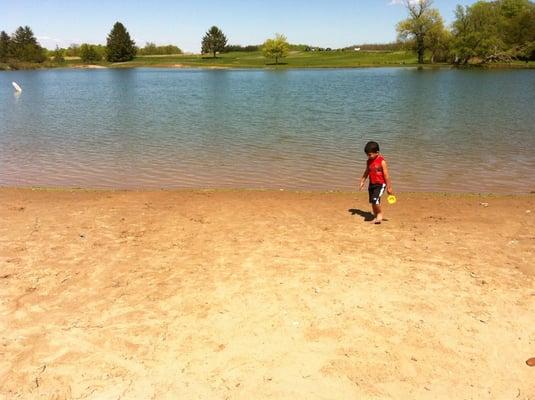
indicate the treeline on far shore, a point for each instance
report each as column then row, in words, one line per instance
column 485, row 32
column 21, row 49
column 99, row 51
column 393, row 46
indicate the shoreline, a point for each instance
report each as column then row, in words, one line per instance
column 260, row 190
column 488, row 67
column 265, row 294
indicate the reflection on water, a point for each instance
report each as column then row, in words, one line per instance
column 441, row 130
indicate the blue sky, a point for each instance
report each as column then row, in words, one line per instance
column 335, row 23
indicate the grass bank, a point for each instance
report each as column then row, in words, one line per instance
column 296, row 59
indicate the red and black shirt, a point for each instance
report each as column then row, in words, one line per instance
column 375, row 171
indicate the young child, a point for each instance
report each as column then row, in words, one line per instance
column 377, row 171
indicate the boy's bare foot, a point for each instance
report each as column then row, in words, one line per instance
column 378, row 219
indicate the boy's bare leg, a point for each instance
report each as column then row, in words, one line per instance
column 378, row 213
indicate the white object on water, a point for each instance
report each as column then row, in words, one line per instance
column 16, row 86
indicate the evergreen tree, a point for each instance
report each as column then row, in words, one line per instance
column 4, row 46
column 24, row 46
column 119, row 45
column 24, row 36
column 213, row 41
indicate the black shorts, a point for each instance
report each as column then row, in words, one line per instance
column 375, row 192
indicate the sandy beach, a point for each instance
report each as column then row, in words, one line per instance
column 265, row 295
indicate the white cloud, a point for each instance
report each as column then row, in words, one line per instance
column 49, row 38
column 49, row 42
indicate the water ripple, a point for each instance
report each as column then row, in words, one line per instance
column 444, row 130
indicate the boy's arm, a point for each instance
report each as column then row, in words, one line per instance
column 364, row 177
column 387, row 177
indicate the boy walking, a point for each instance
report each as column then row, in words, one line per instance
column 377, row 171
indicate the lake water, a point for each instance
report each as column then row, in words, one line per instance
column 440, row 130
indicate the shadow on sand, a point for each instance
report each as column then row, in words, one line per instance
column 368, row 216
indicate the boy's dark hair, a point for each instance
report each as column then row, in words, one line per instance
column 371, row 147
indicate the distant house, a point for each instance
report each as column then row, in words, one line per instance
column 357, row 49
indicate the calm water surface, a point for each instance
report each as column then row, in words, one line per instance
column 440, row 130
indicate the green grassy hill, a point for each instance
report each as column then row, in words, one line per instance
column 296, row 59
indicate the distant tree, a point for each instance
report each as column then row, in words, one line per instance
column 526, row 27
column 57, row 55
column 276, row 48
column 422, row 19
column 213, row 41
column 512, row 8
column 73, row 50
column 518, row 27
column 119, row 45
column 89, row 53
column 438, row 41
column 298, row 47
column 237, row 47
column 499, row 30
column 394, row 46
column 148, row 50
column 5, row 42
column 23, row 36
column 172, row 49
column 477, row 31
column 24, row 46
column 151, row 49
column 101, row 50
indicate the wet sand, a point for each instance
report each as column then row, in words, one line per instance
column 265, row 295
